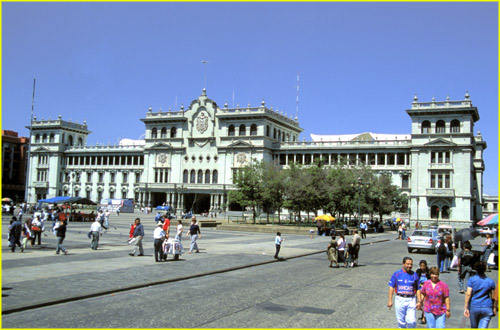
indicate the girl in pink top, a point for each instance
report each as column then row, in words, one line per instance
column 435, row 296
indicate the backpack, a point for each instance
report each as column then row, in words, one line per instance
column 467, row 258
column 442, row 250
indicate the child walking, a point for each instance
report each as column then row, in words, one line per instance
column 278, row 240
column 348, row 256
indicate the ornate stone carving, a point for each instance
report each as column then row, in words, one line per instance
column 202, row 123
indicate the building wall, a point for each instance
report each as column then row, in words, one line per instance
column 204, row 137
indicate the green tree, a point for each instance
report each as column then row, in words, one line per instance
column 248, row 181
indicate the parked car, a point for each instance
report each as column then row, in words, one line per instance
column 486, row 230
column 423, row 239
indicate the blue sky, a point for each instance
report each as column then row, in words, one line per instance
column 359, row 63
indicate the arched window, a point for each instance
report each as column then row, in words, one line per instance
column 434, row 212
column 193, row 177
column 445, row 212
column 440, row 126
column 70, row 140
column 455, row 126
column 243, row 130
column 207, row 176
column 253, row 129
column 163, row 132
column 80, row 142
column 173, row 132
column 268, row 131
column 37, row 138
column 426, row 127
column 215, row 176
column 51, row 138
column 200, row 176
column 154, row 133
column 230, row 130
column 44, row 138
column 185, row 175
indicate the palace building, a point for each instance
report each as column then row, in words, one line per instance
column 188, row 157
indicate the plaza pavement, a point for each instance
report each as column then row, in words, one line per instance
column 38, row 277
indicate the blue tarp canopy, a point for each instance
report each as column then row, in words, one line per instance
column 163, row 208
column 66, row 199
column 54, row 200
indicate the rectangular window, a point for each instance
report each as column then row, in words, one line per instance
column 87, row 195
column 447, row 157
column 156, row 175
column 440, row 180
column 101, row 177
column 495, row 206
column 125, row 177
column 433, row 180
column 447, row 181
column 137, row 178
column 112, row 178
column 405, row 181
column 440, row 157
column 99, row 158
column 381, row 159
column 433, row 157
column 112, row 195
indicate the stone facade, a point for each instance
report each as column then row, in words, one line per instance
column 188, row 157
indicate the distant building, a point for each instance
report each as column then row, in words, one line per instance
column 189, row 157
column 14, row 162
column 490, row 205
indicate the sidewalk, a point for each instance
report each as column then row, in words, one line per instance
column 38, row 277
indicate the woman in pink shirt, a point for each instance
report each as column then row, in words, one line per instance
column 435, row 296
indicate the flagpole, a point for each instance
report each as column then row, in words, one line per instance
column 26, row 195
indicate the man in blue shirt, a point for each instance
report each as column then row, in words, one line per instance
column 405, row 283
column 138, row 235
column 363, row 227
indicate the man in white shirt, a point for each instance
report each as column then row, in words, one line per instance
column 159, row 237
column 95, row 231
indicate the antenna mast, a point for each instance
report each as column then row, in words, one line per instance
column 26, row 195
column 205, row 65
column 297, row 109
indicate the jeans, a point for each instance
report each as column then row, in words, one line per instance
column 435, row 321
column 193, row 245
column 278, row 247
column 486, row 254
column 463, row 277
column 480, row 316
column 406, row 311
column 14, row 240
column 441, row 262
column 60, row 247
column 95, row 240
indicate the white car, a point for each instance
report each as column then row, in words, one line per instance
column 423, row 239
column 486, row 230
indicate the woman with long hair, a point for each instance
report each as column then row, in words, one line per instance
column 423, row 276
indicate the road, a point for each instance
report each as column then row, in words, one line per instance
column 201, row 290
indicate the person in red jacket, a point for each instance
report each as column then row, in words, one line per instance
column 166, row 226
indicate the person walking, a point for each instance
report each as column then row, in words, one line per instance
column 95, row 232
column 138, row 235
column 178, row 234
column 159, row 237
column 16, row 229
column 166, row 225
column 404, row 283
column 488, row 248
column 450, row 245
column 341, row 249
column 26, row 234
column 36, row 230
column 356, row 245
column 478, row 298
column 278, row 240
column 194, row 232
column 332, row 252
column 435, row 297
column 363, row 227
column 423, row 276
column 442, row 251
column 60, row 236
column 465, row 270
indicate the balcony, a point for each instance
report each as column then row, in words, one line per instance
column 41, row 184
column 441, row 192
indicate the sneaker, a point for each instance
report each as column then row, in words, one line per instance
column 131, row 254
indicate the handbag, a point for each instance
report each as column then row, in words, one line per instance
column 454, row 261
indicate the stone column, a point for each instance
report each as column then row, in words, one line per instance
column 385, row 155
